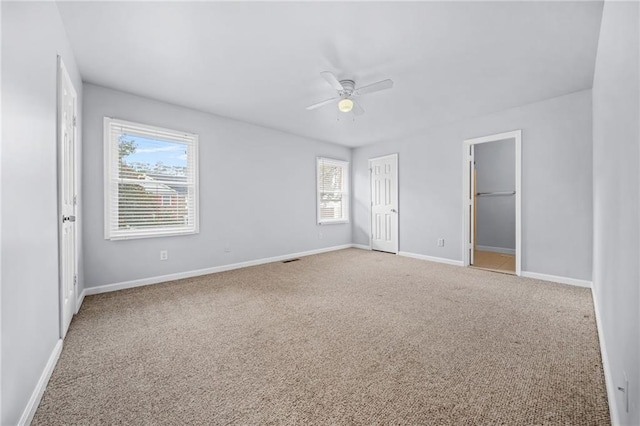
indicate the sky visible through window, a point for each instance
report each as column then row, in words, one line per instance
column 152, row 151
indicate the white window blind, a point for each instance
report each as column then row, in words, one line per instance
column 151, row 181
column 333, row 190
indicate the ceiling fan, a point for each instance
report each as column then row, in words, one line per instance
column 347, row 91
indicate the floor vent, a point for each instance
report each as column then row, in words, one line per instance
column 290, row 260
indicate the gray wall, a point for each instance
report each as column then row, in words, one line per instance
column 556, row 185
column 616, row 212
column 241, row 167
column 30, row 321
column 496, row 215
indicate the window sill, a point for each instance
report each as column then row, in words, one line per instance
column 150, row 235
column 333, row 222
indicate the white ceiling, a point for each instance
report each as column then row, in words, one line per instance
column 261, row 62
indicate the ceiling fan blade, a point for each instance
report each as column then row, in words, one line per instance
column 323, row 103
column 375, row 87
column 332, row 80
column 357, row 109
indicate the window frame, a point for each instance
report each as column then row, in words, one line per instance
column 191, row 140
column 346, row 191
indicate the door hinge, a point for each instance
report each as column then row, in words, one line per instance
column 74, row 121
column 75, row 280
column 75, row 200
column 68, row 218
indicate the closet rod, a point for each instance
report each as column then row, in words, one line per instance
column 493, row 194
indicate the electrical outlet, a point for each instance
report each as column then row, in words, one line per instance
column 227, row 248
column 440, row 242
column 319, row 235
column 164, row 254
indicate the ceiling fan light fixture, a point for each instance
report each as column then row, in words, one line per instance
column 345, row 105
column 346, row 90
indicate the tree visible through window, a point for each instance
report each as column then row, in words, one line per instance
column 333, row 190
column 151, row 181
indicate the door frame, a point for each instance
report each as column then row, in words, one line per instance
column 396, row 200
column 467, row 203
column 63, row 74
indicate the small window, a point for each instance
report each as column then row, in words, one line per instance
column 151, row 181
column 333, row 191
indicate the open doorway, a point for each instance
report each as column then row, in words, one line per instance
column 492, row 175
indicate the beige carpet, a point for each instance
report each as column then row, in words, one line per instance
column 348, row 337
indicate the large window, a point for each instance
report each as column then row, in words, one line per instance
column 333, row 191
column 151, row 181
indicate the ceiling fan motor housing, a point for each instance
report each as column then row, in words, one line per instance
column 348, row 87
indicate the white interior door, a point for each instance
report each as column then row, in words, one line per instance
column 67, row 194
column 384, row 203
column 471, row 241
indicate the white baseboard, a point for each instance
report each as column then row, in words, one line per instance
column 608, row 378
column 557, row 279
column 361, row 246
column 497, row 249
column 188, row 274
column 80, row 300
column 431, row 258
column 36, row 396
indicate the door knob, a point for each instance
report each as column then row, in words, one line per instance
column 68, row 218
column 394, row 210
